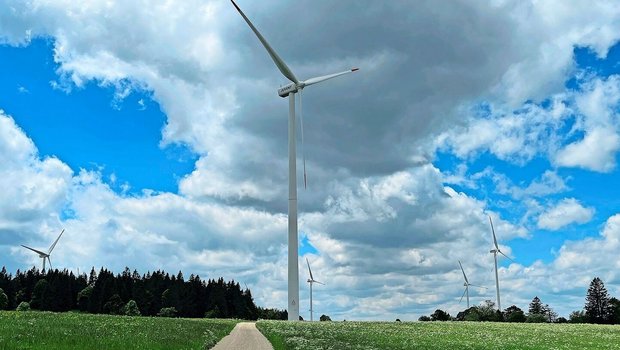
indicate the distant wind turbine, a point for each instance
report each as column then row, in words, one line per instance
column 311, row 280
column 467, row 284
column 494, row 252
column 44, row 255
column 290, row 90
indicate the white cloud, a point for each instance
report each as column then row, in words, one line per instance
column 600, row 124
column 596, row 151
column 518, row 136
column 564, row 213
column 34, row 190
column 388, row 236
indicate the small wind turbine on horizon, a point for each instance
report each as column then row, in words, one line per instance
column 467, row 284
column 311, row 280
column 289, row 90
column 494, row 252
column 44, row 255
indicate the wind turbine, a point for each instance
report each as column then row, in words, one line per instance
column 290, row 90
column 44, row 255
column 467, row 284
column 494, row 252
column 310, row 281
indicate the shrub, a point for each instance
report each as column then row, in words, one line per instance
column 114, row 306
column 23, row 306
column 167, row 312
column 83, row 298
column 213, row 313
column 514, row 314
column 536, row 318
column 578, row 317
column 325, row 318
column 131, row 308
column 440, row 315
column 424, row 318
column 40, row 296
column 4, row 300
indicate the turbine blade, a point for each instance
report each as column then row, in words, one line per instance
column 303, row 153
column 56, row 241
column 309, row 270
column 493, row 231
column 325, row 77
column 318, row 282
column 465, row 291
column 286, row 71
column 34, row 250
column 50, row 261
column 509, row 258
column 466, row 281
column 473, row 285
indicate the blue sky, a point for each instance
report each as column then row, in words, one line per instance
column 86, row 127
column 160, row 142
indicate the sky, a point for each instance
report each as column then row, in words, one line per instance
column 153, row 134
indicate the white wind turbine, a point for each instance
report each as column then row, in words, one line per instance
column 467, row 284
column 290, row 90
column 494, row 252
column 311, row 280
column 44, row 255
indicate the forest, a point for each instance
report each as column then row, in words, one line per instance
column 129, row 293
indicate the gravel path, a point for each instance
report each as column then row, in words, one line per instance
column 244, row 336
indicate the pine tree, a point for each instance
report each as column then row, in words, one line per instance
column 597, row 306
column 536, row 307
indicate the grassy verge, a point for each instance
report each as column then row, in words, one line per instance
column 438, row 335
column 46, row 330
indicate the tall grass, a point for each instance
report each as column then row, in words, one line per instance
column 438, row 335
column 46, row 330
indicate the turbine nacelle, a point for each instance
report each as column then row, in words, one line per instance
column 287, row 89
column 296, row 86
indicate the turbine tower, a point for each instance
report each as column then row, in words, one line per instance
column 290, row 90
column 467, row 284
column 494, row 252
column 44, row 255
column 311, row 280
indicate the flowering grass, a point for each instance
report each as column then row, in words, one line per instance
column 47, row 330
column 438, row 335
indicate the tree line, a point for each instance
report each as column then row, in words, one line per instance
column 599, row 308
column 152, row 294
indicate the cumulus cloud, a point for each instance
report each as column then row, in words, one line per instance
column 387, row 231
column 564, row 213
column 33, row 190
column 600, row 124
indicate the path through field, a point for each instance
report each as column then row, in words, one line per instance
column 244, row 336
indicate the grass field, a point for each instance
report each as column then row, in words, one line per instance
column 46, row 330
column 438, row 335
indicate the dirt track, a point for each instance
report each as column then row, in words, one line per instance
column 244, row 336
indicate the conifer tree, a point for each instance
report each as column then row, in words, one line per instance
column 536, row 307
column 597, row 306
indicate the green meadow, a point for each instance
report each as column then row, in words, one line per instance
column 438, row 335
column 47, row 330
